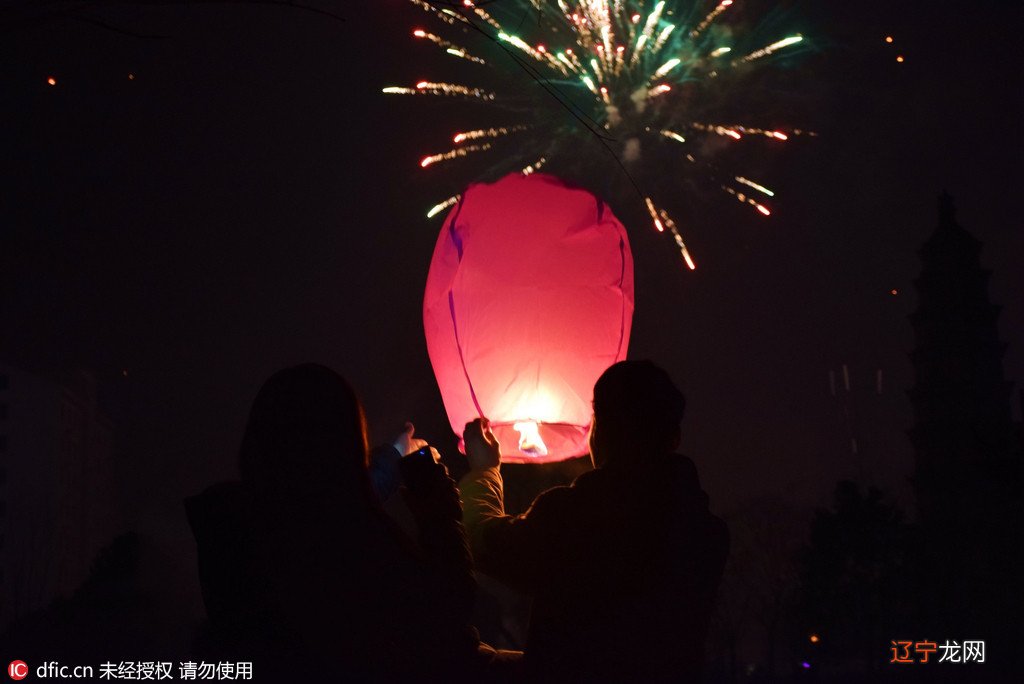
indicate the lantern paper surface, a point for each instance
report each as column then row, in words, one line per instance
column 528, row 300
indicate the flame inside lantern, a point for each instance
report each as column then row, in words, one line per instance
column 530, row 441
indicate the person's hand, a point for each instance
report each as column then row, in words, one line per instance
column 428, row 490
column 406, row 444
column 482, row 448
column 435, row 496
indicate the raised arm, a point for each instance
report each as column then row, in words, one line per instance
column 514, row 549
column 384, row 475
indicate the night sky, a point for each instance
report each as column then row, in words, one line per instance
column 248, row 199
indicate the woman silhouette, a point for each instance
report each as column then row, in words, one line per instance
column 301, row 570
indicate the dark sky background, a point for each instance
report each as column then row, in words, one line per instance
column 250, row 200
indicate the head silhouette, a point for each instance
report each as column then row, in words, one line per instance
column 306, row 425
column 637, row 411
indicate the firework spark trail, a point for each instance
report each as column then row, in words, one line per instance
column 629, row 74
column 447, row 16
column 708, row 20
column 465, row 55
column 757, row 186
column 534, row 167
column 748, row 130
column 441, row 206
column 449, row 89
column 743, row 198
column 453, row 154
column 448, row 46
column 647, row 32
column 488, row 133
column 769, row 49
column 482, row 13
column 678, row 238
column 663, row 36
column 653, row 211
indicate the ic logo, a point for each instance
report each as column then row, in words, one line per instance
column 17, row 669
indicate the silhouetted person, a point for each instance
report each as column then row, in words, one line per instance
column 623, row 565
column 302, row 572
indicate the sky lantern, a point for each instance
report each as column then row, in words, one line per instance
column 528, row 300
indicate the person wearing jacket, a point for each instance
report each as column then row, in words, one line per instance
column 624, row 564
column 301, row 571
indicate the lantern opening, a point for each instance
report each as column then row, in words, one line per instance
column 530, row 441
column 560, row 440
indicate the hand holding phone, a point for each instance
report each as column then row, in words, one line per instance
column 429, row 491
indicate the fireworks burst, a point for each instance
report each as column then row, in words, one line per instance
column 632, row 75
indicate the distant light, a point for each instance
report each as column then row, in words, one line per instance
column 893, row 292
column 124, row 372
column 421, row 85
column 52, row 81
column 541, row 48
column 635, row 18
column 764, row 210
column 131, row 77
column 779, row 135
column 419, row 33
column 733, row 134
column 900, row 59
column 888, row 39
column 815, row 638
column 806, row 665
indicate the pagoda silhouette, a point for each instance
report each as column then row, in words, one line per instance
column 965, row 441
column 967, row 449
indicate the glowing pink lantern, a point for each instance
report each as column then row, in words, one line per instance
column 529, row 299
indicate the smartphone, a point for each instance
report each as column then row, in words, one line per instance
column 417, row 466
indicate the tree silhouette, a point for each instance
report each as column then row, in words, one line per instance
column 755, row 601
column 856, row 590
